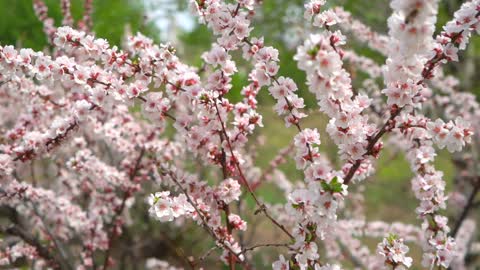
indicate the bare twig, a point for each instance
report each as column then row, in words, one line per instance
column 207, row 254
column 226, row 208
column 245, row 250
column 262, row 206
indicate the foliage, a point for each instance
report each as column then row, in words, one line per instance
column 19, row 25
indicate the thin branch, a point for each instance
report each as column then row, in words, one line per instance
column 356, row 262
column 262, row 206
column 56, row 243
column 207, row 254
column 4, row 82
column 245, row 250
column 43, row 251
column 50, row 143
column 202, row 217
column 371, row 145
column 226, row 208
column 126, row 195
column 469, row 206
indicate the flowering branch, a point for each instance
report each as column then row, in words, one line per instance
column 75, row 108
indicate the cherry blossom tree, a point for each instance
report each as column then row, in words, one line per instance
column 90, row 131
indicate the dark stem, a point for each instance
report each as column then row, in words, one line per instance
column 262, row 207
column 202, row 217
column 370, row 146
column 469, row 206
column 126, row 195
column 43, row 251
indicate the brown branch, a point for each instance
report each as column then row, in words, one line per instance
column 126, row 195
column 202, row 217
column 276, row 161
column 226, row 208
column 4, row 82
column 426, row 74
column 50, row 143
column 17, row 230
column 231, row 259
column 370, row 146
column 468, row 207
column 207, row 254
column 262, row 206
column 56, row 243
column 264, row 245
column 42, row 251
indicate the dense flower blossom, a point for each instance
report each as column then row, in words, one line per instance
column 85, row 94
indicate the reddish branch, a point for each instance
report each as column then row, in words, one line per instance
column 226, row 208
column 427, row 73
column 42, row 251
column 371, row 144
column 262, row 206
column 49, row 144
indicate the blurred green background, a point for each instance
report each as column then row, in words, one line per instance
column 388, row 196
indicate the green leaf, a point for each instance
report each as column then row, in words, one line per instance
column 313, row 51
column 334, row 186
column 391, row 238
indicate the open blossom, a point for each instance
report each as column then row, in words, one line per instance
column 326, row 18
column 165, row 208
column 229, row 190
column 307, row 137
column 9, row 54
column 402, row 94
column 284, row 88
column 281, row 264
column 5, row 165
column 237, row 222
column 81, row 108
column 442, row 253
column 16, row 252
column 453, row 135
column 75, row 106
column 465, row 22
column 394, row 251
column 313, row 7
column 302, row 203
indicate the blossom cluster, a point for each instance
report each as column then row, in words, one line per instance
column 90, row 129
column 394, row 251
